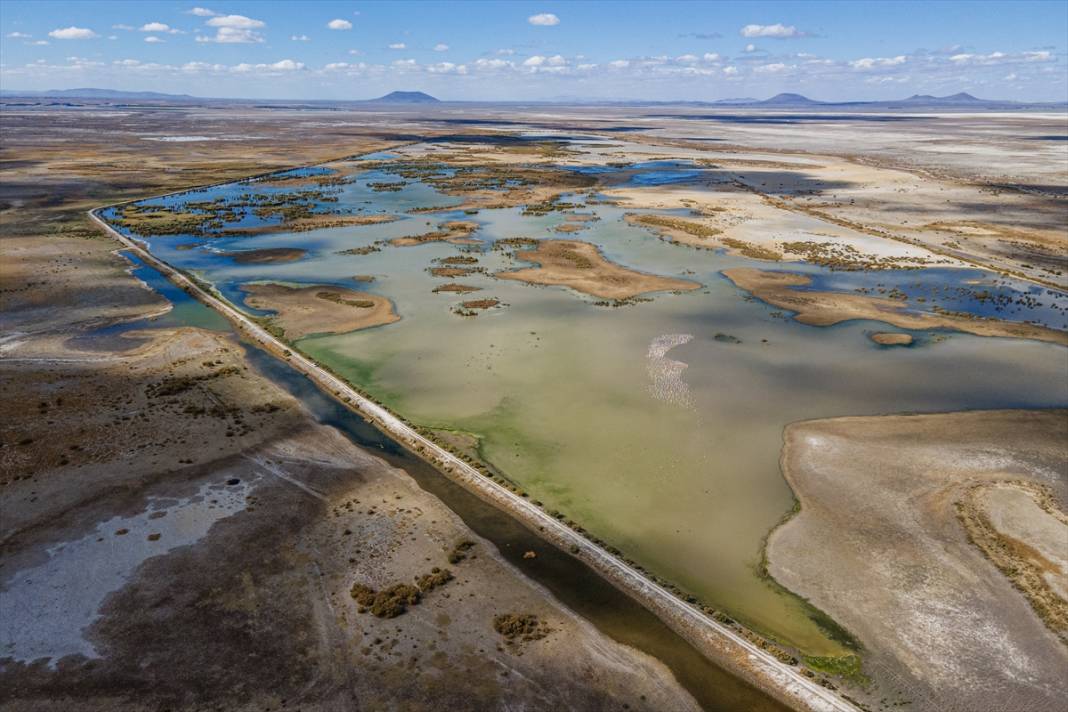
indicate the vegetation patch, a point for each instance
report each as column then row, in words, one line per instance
column 517, row 628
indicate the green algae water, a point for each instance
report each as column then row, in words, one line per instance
column 656, row 425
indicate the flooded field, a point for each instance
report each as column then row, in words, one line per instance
column 654, row 422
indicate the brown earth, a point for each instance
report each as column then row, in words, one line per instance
column 319, row 309
column 827, row 308
column 582, row 267
column 878, row 545
column 256, row 614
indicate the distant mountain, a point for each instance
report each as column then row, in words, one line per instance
column 788, row 99
column 958, row 99
column 93, row 93
column 406, row 97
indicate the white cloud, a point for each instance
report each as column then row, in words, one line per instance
column 778, row 31
column 152, row 39
column 441, row 47
column 72, row 33
column 619, row 63
column 234, row 29
column 873, row 62
column 202, row 12
column 686, row 58
column 994, row 58
column 238, row 21
column 544, row 19
column 339, row 24
column 446, row 68
column 285, row 65
column 773, row 68
column 300, row 38
column 155, row 27
column 535, row 61
column 506, row 52
column 483, row 63
column 711, row 57
column 405, row 64
column 19, row 35
column 39, row 43
column 355, row 52
column 398, row 45
column 128, row 28
column 750, row 48
column 730, row 71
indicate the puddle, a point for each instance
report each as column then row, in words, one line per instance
column 45, row 610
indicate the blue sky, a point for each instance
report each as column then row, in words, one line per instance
column 540, row 50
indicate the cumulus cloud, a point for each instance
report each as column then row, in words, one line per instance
column 155, row 27
column 238, row 21
column 493, row 64
column 72, row 33
column 285, row 65
column 544, row 19
column 202, row 12
column 19, row 35
column 773, row 68
column 234, row 29
column 152, row 39
column 398, row 45
column 995, row 58
column 750, row 48
column 446, row 68
column 339, row 24
column 232, row 35
column 441, row 47
column 619, row 63
column 873, row 62
column 711, row 57
column 777, row 31
column 730, row 71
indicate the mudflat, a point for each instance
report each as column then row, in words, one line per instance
column 320, row 309
column 881, row 544
column 582, row 267
column 819, row 308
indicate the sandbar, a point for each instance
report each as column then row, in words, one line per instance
column 319, row 309
column 827, row 308
column 582, row 267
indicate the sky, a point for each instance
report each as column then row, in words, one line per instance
column 518, row 51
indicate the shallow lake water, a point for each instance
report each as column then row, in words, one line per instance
column 656, row 425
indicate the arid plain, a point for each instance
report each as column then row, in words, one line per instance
column 510, row 281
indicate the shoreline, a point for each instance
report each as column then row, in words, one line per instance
column 719, row 643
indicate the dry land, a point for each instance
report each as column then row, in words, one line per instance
column 903, row 526
column 582, row 267
column 319, row 309
column 238, row 525
column 827, row 308
column 884, row 338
